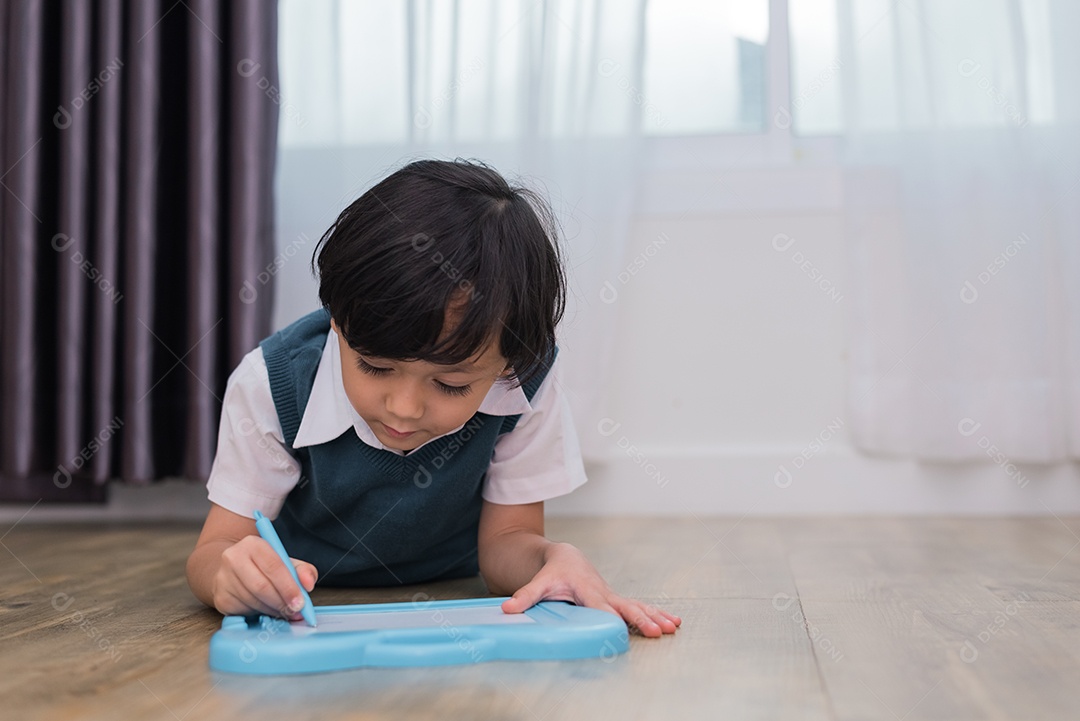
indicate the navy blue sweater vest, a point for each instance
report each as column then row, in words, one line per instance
column 366, row 516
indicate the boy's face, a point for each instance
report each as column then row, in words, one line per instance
column 407, row 403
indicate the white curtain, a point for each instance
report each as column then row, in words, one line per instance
column 545, row 92
column 963, row 191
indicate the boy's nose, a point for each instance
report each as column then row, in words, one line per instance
column 406, row 404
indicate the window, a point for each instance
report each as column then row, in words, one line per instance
column 365, row 72
column 705, row 67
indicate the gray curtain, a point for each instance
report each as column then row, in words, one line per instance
column 137, row 146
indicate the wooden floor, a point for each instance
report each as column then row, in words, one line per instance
column 827, row 618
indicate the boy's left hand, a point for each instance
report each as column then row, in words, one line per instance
column 568, row 576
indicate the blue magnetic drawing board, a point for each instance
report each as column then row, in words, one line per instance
column 426, row 633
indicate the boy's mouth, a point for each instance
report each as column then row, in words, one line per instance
column 394, row 433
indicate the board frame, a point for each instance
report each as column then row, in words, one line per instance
column 257, row 645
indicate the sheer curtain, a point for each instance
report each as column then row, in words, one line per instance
column 963, row 186
column 545, row 92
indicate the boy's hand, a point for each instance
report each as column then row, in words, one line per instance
column 252, row 579
column 568, row 576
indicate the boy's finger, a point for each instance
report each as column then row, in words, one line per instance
column 636, row 616
column 282, row 590
column 605, row 607
column 259, row 592
column 307, row 572
column 673, row 618
column 666, row 624
column 658, row 617
column 246, row 604
column 228, row 604
column 645, row 623
column 601, row 603
column 524, row 598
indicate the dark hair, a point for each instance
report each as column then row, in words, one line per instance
column 439, row 235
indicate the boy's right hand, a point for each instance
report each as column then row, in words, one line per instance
column 252, row 579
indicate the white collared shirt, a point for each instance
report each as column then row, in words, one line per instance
column 253, row 469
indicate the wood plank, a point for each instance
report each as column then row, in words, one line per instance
column 688, row 557
column 929, row 621
column 843, row 559
column 819, row 618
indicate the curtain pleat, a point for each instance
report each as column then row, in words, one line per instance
column 22, row 152
column 137, row 158
column 105, row 321
column 74, row 190
column 140, row 206
column 204, row 148
column 253, row 133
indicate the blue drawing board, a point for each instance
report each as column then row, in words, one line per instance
column 425, row 633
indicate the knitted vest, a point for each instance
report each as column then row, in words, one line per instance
column 368, row 517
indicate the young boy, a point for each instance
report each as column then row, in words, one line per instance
column 412, row 428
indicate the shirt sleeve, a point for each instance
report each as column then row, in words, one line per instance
column 253, row 469
column 541, row 457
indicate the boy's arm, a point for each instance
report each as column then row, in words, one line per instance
column 511, row 545
column 235, row 571
column 232, row 568
column 515, row 558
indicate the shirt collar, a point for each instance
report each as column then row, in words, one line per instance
column 329, row 413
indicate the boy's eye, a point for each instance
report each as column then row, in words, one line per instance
column 449, row 390
column 370, row 369
column 454, row 390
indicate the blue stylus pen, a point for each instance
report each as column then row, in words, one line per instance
column 266, row 530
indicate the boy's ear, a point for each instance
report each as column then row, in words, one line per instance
column 333, row 324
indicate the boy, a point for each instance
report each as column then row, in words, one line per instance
column 412, row 428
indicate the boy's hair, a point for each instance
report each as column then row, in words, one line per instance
column 439, row 236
